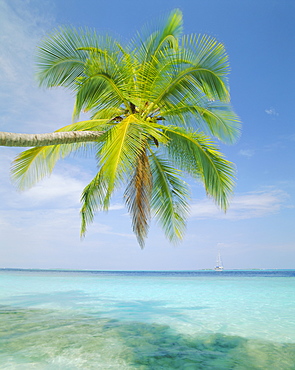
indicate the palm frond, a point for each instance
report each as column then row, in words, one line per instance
column 32, row 165
column 188, row 83
column 197, row 69
column 205, row 52
column 98, row 92
column 138, row 197
column 155, row 37
column 59, row 62
column 218, row 119
column 98, row 124
column 198, row 156
column 123, row 144
column 169, row 198
column 107, row 83
column 213, row 118
column 93, row 199
column 62, row 55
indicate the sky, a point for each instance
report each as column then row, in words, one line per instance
column 40, row 228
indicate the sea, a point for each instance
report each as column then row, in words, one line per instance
column 53, row 319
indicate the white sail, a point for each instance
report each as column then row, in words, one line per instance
column 219, row 265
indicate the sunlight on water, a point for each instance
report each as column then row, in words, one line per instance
column 62, row 340
column 64, row 321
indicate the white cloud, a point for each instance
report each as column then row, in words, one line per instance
column 56, row 188
column 59, row 190
column 288, row 137
column 247, row 152
column 24, row 106
column 242, row 206
column 116, row 207
column 98, row 228
column 271, row 111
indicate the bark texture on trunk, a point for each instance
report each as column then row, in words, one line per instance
column 29, row 140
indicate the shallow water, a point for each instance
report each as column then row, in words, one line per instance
column 205, row 320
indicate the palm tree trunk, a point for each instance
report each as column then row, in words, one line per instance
column 54, row 138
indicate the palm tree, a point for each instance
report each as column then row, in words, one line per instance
column 154, row 105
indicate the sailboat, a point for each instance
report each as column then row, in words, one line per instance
column 219, row 266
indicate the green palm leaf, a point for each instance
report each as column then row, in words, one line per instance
column 93, row 198
column 32, row 165
column 198, row 156
column 123, row 144
column 169, row 198
column 147, row 44
column 62, row 55
column 205, row 52
column 213, row 118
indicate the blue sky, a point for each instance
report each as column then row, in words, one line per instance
column 39, row 228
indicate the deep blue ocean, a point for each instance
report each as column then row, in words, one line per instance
column 53, row 319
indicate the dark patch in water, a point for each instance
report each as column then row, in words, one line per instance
column 49, row 339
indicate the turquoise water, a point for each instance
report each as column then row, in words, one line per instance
column 140, row 320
